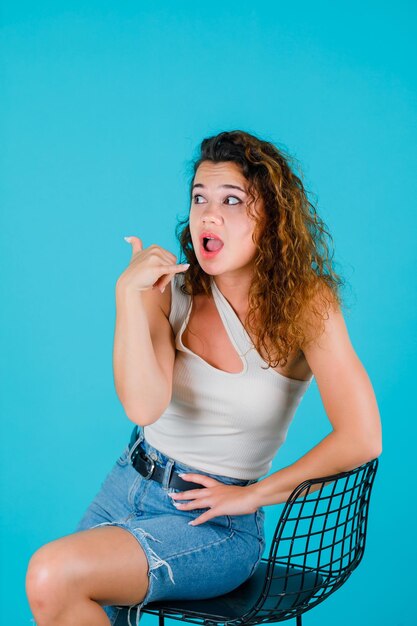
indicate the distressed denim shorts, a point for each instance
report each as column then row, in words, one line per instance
column 184, row 562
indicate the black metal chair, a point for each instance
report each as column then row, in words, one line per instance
column 318, row 542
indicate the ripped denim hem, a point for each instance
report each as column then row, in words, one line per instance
column 154, row 561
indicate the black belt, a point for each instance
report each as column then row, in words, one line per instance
column 149, row 469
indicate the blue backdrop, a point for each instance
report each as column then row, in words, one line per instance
column 102, row 106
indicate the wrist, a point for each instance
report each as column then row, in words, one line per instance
column 255, row 495
column 124, row 289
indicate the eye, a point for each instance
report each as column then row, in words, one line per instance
column 197, row 195
column 238, row 201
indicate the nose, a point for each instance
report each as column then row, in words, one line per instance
column 211, row 214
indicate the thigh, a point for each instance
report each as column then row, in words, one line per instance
column 105, row 564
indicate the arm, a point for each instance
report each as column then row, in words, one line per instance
column 351, row 407
column 143, row 354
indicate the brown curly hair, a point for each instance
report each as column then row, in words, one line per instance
column 293, row 270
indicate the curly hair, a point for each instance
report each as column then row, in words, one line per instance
column 293, row 272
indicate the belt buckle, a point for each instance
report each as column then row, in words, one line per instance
column 149, row 474
column 140, row 452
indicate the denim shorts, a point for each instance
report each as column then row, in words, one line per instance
column 184, row 562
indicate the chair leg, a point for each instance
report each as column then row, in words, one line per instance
column 161, row 618
column 299, row 620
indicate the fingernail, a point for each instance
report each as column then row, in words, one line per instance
column 187, row 265
column 162, row 290
column 191, row 523
column 128, row 239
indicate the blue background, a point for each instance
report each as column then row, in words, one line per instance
column 103, row 105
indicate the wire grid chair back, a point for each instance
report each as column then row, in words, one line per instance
column 319, row 540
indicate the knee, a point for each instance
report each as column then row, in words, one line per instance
column 47, row 580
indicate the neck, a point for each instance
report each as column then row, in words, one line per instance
column 235, row 291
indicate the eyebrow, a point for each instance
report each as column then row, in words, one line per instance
column 221, row 187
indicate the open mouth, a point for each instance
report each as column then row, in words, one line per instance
column 212, row 245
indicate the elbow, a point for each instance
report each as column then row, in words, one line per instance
column 359, row 450
column 372, row 450
column 139, row 421
column 144, row 417
column 376, row 450
column 370, row 454
column 375, row 445
column 369, row 442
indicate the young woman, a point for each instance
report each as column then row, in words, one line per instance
column 211, row 360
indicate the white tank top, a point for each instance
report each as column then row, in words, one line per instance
column 221, row 422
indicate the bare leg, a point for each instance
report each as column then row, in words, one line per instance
column 70, row 578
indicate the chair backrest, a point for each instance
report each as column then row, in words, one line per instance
column 319, row 540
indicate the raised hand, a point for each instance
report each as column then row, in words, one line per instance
column 151, row 267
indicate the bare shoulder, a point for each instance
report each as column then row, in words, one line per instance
column 320, row 315
column 328, row 348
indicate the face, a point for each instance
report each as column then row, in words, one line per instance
column 219, row 206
